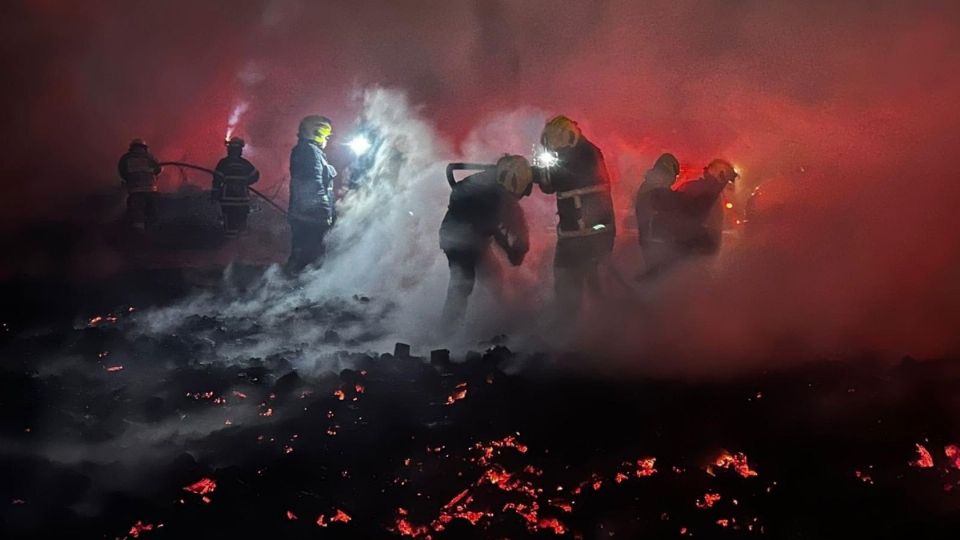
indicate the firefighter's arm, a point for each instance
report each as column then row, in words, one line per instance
column 699, row 197
column 541, row 177
column 512, row 235
column 122, row 171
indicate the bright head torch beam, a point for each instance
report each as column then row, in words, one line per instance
column 360, row 145
column 546, row 158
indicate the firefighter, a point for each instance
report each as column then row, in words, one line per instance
column 576, row 172
column 231, row 181
column 138, row 173
column 700, row 208
column 482, row 207
column 312, row 210
column 656, row 227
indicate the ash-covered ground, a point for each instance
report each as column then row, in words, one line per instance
column 114, row 427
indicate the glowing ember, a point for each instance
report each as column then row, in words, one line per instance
column 114, row 369
column 140, row 527
column 498, row 477
column 620, row 477
column 723, row 522
column 240, row 395
column 864, row 477
column 202, row 487
column 98, row 320
column 952, row 452
column 737, row 462
column 340, row 395
column 646, row 467
column 553, row 524
column 291, row 516
column 268, row 412
column 709, row 500
column 924, row 459
column 322, row 521
column 358, row 388
column 341, row 517
column 458, row 394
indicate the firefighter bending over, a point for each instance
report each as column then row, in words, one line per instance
column 312, row 208
column 138, row 173
column 700, row 208
column 482, row 207
column 576, row 172
column 684, row 221
column 231, row 181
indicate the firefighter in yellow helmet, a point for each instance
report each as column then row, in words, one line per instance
column 574, row 169
column 312, row 209
column 138, row 171
column 231, row 181
column 483, row 207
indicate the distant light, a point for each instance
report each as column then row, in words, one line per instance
column 547, row 158
column 729, row 205
column 359, row 144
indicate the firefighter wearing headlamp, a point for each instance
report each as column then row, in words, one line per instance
column 577, row 174
column 483, row 207
column 138, row 171
column 232, row 179
column 312, row 209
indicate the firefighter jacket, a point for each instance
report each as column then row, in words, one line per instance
column 655, row 222
column 481, row 210
column 138, row 170
column 582, row 185
column 311, row 184
column 231, row 178
column 699, row 213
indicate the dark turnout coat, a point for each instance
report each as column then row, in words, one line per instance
column 311, row 184
column 481, row 210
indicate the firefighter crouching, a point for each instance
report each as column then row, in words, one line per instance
column 231, row 181
column 482, row 207
column 586, row 228
column 312, row 208
column 138, row 173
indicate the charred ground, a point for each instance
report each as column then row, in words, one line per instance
column 110, row 432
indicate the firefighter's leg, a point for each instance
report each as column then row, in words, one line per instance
column 296, row 262
column 151, row 210
column 463, row 274
column 135, row 209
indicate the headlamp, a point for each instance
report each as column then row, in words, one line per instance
column 360, row 145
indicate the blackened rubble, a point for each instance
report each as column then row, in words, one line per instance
column 184, row 442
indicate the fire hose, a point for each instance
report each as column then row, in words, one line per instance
column 213, row 173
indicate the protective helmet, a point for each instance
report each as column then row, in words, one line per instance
column 315, row 126
column 138, row 142
column 560, row 132
column 722, row 170
column 515, row 175
column 235, row 142
column 668, row 162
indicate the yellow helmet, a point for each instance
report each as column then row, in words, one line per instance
column 722, row 170
column 560, row 132
column 514, row 174
column 316, row 128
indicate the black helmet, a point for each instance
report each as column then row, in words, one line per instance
column 668, row 162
